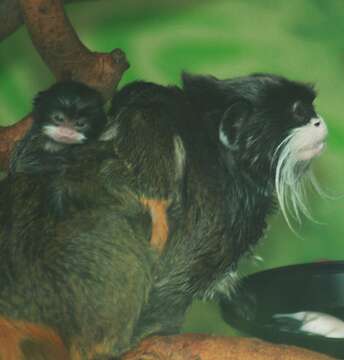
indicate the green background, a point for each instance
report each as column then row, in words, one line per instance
column 301, row 39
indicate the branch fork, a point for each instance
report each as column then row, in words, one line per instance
column 67, row 57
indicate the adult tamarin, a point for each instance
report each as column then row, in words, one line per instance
column 247, row 142
column 216, row 150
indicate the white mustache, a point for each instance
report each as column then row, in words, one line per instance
column 291, row 177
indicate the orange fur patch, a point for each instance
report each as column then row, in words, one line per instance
column 75, row 352
column 20, row 340
column 101, row 349
column 160, row 230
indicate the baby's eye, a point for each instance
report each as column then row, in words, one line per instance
column 57, row 118
column 81, row 123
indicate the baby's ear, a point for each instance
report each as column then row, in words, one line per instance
column 203, row 89
column 191, row 81
column 232, row 123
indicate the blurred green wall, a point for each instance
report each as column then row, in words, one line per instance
column 301, row 39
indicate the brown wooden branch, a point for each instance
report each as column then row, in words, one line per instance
column 11, row 18
column 205, row 347
column 66, row 56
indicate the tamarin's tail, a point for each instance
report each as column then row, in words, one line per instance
column 21, row 340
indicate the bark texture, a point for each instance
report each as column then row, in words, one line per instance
column 11, row 18
column 206, row 347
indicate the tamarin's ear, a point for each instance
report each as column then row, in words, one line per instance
column 233, row 120
column 203, row 90
column 190, row 81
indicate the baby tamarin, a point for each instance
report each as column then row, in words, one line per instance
column 68, row 113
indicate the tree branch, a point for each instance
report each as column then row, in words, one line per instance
column 11, row 18
column 66, row 56
column 205, row 347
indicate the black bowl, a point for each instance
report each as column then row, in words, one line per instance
column 308, row 287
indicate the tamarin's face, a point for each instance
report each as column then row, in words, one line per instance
column 69, row 113
column 275, row 129
column 272, row 119
column 266, row 127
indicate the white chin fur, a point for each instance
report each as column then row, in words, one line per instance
column 293, row 158
column 64, row 135
column 311, row 153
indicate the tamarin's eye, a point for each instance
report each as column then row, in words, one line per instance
column 58, row 119
column 80, row 123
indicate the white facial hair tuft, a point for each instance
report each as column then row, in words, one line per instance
column 290, row 180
